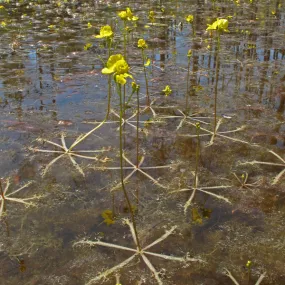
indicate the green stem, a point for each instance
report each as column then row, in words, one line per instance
column 146, row 81
column 216, row 82
column 138, row 118
column 122, row 170
column 187, row 89
column 125, row 40
column 249, row 274
column 109, row 41
column 137, row 141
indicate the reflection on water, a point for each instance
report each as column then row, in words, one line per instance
column 52, row 91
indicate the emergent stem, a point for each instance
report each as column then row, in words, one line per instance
column 187, row 89
column 197, row 155
column 146, row 81
column 121, row 165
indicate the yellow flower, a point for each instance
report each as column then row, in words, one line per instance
column 105, row 32
column 189, row 53
column 142, row 44
column 135, row 87
column 120, row 79
column 108, row 217
column 151, row 16
column 117, row 65
column 190, row 18
column 121, row 67
column 248, row 264
column 167, row 91
column 87, row 46
column 123, row 15
column 147, row 63
column 111, row 63
column 127, row 15
column 220, row 25
column 3, row 24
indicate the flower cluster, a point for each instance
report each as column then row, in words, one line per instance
column 127, row 15
column 167, row 91
column 219, row 25
column 190, row 18
column 105, row 32
column 118, row 66
column 142, row 44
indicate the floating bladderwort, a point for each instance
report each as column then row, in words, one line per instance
column 63, row 151
column 277, row 178
column 196, row 186
column 143, row 253
column 119, row 69
column 5, row 197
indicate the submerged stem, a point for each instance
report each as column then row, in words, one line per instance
column 1, row 191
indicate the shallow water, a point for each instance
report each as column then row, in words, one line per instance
column 50, row 85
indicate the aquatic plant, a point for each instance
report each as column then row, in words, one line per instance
column 203, row 189
column 277, row 178
column 64, row 151
column 125, row 121
column 136, row 168
column 221, row 134
column 137, row 252
column 184, row 118
column 8, row 197
column 228, row 273
column 243, row 181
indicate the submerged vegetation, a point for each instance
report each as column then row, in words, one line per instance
column 187, row 103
